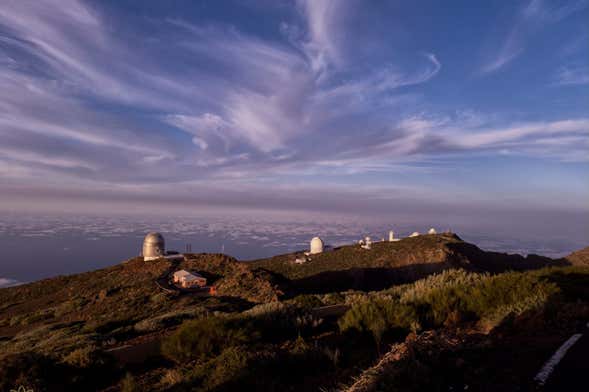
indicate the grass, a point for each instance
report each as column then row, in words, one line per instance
column 201, row 339
column 422, row 249
column 245, row 338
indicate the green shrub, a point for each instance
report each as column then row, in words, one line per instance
column 379, row 316
column 277, row 321
column 128, row 384
column 205, row 338
column 333, row 299
column 478, row 296
column 228, row 367
column 168, row 319
column 308, row 301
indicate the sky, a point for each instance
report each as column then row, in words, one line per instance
column 380, row 107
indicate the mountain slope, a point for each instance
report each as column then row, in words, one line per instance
column 580, row 257
column 351, row 267
column 119, row 303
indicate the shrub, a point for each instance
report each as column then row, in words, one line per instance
column 378, row 316
column 128, row 384
column 205, row 338
column 229, row 366
column 86, row 357
column 32, row 370
column 168, row 319
column 308, row 301
column 477, row 296
column 172, row 377
column 333, row 299
column 279, row 321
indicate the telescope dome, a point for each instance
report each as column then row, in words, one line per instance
column 154, row 246
column 316, row 245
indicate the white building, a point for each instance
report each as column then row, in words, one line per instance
column 414, row 234
column 392, row 237
column 432, row 231
column 316, row 246
column 187, row 279
column 367, row 243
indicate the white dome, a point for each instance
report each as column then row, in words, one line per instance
column 316, row 245
column 154, row 246
column 432, row 231
column 414, row 234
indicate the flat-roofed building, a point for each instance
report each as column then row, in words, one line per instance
column 188, row 279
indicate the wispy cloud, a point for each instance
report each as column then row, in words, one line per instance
column 91, row 102
column 319, row 41
column 528, row 21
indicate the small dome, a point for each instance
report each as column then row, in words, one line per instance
column 432, row 231
column 414, row 234
column 316, row 245
column 154, row 246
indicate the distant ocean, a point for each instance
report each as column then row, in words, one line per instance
column 40, row 246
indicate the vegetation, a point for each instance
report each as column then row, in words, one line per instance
column 379, row 316
column 205, row 338
column 426, row 249
column 60, row 333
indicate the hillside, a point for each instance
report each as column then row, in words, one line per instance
column 114, row 304
column 580, row 257
column 87, row 330
column 351, row 267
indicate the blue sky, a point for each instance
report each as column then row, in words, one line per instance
column 289, row 105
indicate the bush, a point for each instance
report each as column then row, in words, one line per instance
column 228, row 367
column 277, row 321
column 333, row 299
column 307, row 301
column 32, row 370
column 205, row 338
column 459, row 295
column 379, row 316
column 128, row 384
column 168, row 319
column 172, row 377
column 86, row 357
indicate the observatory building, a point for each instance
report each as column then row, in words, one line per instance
column 154, row 246
column 316, row 246
column 414, row 234
column 367, row 243
column 392, row 237
column 432, row 231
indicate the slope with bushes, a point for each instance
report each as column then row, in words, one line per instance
column 387, row 263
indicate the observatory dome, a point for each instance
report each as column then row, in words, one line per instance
column 414, row 234
column 432, row 231
column 154, row 246
column 316, row 245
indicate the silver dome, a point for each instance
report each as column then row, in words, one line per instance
column 154, row 246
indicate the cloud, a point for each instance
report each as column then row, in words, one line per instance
column 527, row 22
column 565, row 140
column 320, row 41
column 97, row 100
column 4, row 282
